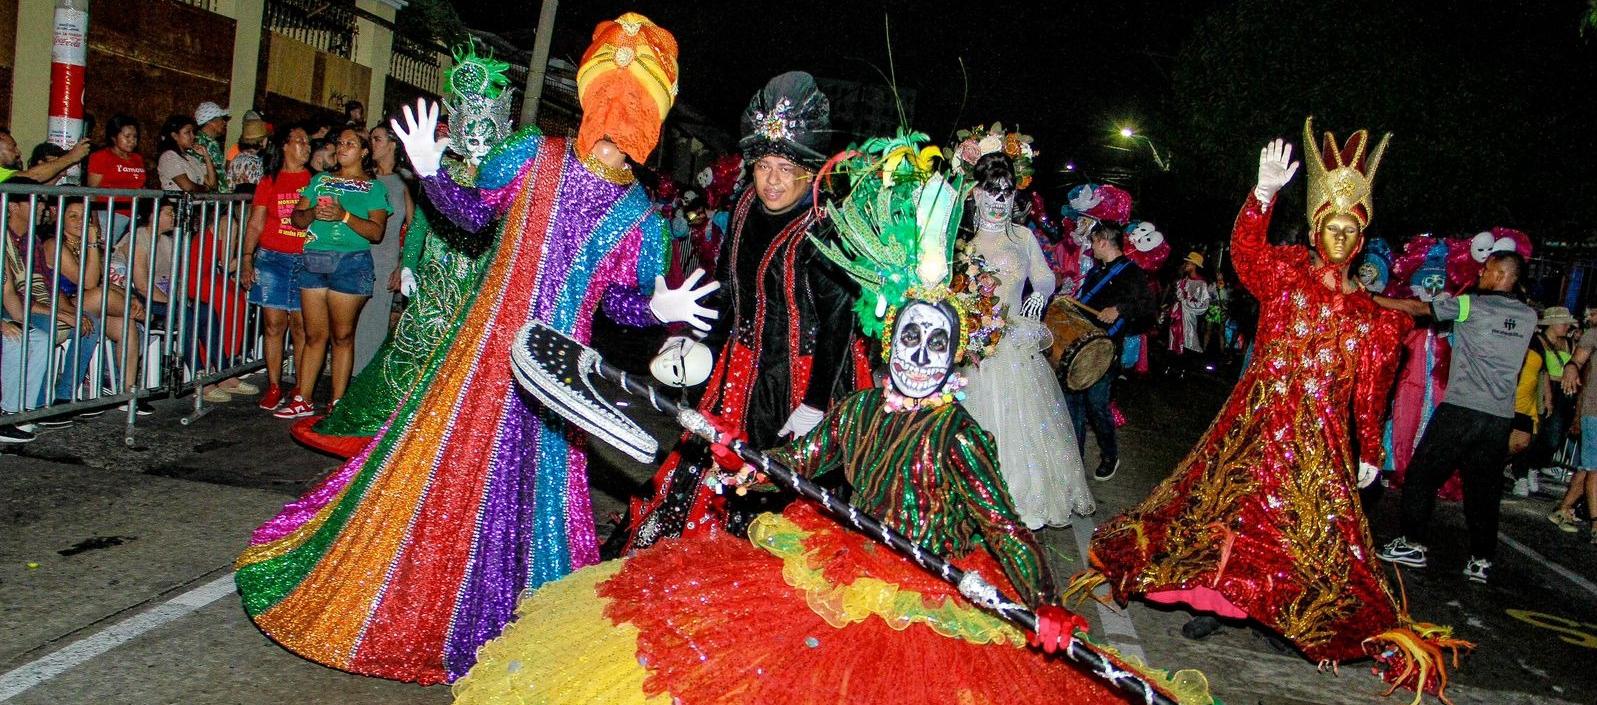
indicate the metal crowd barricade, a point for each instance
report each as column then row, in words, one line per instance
column 107, row 301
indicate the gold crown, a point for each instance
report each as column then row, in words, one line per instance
column 1340, row 179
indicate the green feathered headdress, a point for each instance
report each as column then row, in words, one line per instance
column 896, row 228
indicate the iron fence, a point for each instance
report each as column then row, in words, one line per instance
column 111, row 296
column 328, row 25
column 416, row 62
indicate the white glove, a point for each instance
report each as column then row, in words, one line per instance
column 803, row 419
column 1275, row 170
column 681, row 305
column 1033, row 306
column 407, row 282
column 417, row 134
column 1367, row 474
column 682, row 362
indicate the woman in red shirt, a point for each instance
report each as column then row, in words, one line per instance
column 118, row 166
column 273, row 250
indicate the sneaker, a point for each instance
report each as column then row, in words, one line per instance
column 272, row 398
column 1106, row 469
column 13, row 434
column 242, row 388
column 1402, row 552
column 1532, row 483
column 91, row 413
column 1477, row 569
column 218, row 396
column 55, row 422
column 1564, row 519
column 295, row 408
column 1521, row 487
column 140, row 407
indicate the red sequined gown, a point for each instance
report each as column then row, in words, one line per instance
column 1262, row 519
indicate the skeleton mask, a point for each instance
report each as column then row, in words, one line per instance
column 1144, row 237
column 923, row 345
column 1368, row 274
column 1481, row 246
column 993, row 208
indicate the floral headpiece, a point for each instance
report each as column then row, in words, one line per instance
column 980, row 141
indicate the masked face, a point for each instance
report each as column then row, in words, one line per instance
column 1481, row 246
column 923, row 350
column 1339, row 238
column 1368, row 273
column 480, row 136
column 1505, row 244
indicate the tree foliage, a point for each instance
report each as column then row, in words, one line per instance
column 1491, row 110
column 432, row 20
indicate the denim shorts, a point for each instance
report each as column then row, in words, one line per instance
column 1588, row 443
column 344, row 272
column 277, row 280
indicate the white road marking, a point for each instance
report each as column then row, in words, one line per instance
column 1570, row 575
column 1116, row 623
column 55, row 663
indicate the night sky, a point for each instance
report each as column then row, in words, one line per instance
column 1492, row 102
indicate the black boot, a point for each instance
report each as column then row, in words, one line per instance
column 1200, row 627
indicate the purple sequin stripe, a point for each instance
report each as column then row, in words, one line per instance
column 296, row 513
column 487, row 600
column 467, row 207
column 627, row 306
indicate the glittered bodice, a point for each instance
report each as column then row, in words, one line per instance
column 1310, row 340
column 931, row 475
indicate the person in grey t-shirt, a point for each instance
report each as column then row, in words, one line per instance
column 1469, row 431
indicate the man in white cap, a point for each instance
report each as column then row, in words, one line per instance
column 212, row 120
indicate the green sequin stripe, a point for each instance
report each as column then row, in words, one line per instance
column 266, row 583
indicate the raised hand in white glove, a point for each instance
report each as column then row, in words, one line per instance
column 1275, row 170
column 1034, row 305
column 801, row 421
column 426, row 152
column 407, row 282
column 681, row 305
column 682, row 362
column 1367, row 474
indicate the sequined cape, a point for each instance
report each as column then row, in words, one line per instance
column 1262, row 519
column 445, row 281
column 411, row 555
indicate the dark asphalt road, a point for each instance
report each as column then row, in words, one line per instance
column 117, row 534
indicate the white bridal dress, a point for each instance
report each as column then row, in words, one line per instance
column 1015, row 396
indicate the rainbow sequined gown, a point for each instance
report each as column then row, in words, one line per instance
column 406, row 559
column 1262, row 519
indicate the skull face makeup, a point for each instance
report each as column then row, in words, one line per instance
column 993, row 210
column 923, row 345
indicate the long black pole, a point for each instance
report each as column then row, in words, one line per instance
column 971, row 585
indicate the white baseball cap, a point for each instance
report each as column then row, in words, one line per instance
column 209, row 111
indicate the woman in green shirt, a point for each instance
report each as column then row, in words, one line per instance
column 345, row 210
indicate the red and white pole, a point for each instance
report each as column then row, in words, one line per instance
column 68, row 55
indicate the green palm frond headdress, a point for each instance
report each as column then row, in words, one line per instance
column 897, row 225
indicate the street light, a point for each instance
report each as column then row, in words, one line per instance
column 1162, row 162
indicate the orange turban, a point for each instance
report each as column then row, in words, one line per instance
column 626, row 83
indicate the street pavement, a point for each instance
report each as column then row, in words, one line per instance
column 115, row 567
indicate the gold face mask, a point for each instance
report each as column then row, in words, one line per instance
column 1338, row 238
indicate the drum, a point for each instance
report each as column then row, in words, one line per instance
column 1081, row 352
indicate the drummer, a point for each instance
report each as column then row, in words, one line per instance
column 1118, row 289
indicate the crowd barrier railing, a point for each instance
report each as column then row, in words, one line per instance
column 114, row 295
